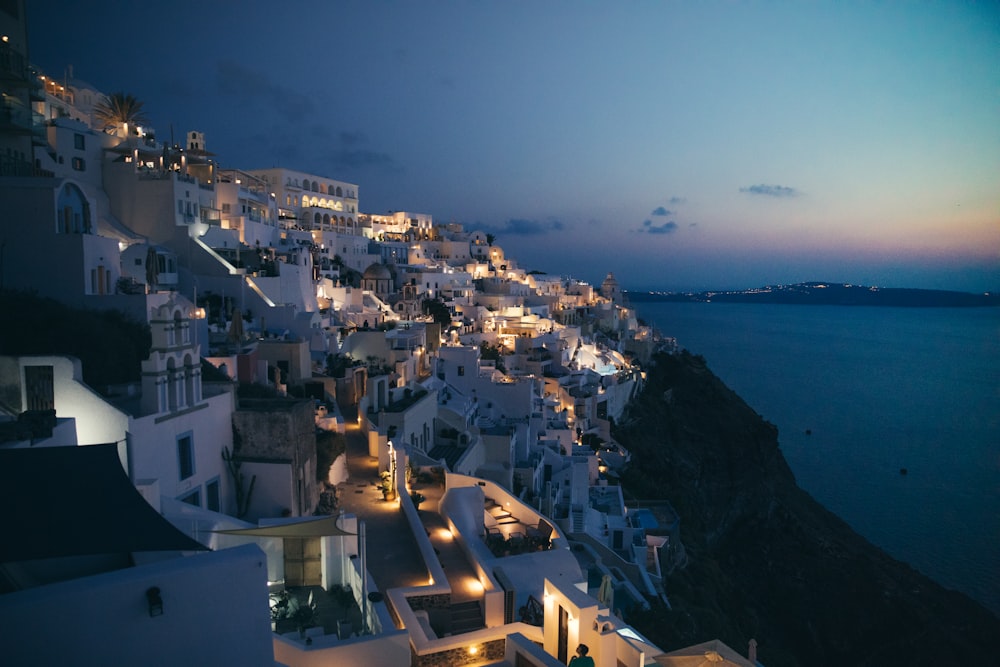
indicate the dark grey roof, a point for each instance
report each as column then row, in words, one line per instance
column 73, row 501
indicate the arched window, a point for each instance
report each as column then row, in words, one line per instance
column 326, row 219
column 181, row 326
column 305, row 184
column 315, row 186
column 322, row 189
column 340, row 193
column 171, row 385
column 191, row 373
column 317, row 219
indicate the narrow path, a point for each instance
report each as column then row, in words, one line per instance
column 393, row 558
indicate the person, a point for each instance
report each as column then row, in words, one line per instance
column 581, row 659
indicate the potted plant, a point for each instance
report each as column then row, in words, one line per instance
column 417, row 498
column 388, row 492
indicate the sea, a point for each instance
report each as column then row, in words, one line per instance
column 889, row 417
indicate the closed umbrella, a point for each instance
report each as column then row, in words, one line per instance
column 236, row 327
column 152, row 269
column 606, row 593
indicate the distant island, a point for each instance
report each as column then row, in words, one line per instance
column 830, row 294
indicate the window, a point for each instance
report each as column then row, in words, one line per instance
column 185, row 456
column 193, row 498
column 461, row 370
column 79, row 142
column 79, row 164
column 225, row 208
column 212, row 495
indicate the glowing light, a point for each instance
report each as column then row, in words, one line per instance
column 473, row 650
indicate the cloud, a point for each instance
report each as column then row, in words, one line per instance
column 353, row 152
column 666, row 228
column 523, row 227
column 660, row 210
column 771, row 190
column 249, row 87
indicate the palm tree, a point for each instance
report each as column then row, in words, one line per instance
column 117, row 109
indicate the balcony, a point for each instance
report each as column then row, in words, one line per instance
column 11, row 166
column 307, row 612
column 13, row 66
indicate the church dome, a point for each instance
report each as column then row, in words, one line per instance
column 377, row 272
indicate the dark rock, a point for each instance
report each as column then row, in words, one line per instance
column 765, row 560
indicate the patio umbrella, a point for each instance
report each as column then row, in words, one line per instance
column 707, row 654
column 606, row 593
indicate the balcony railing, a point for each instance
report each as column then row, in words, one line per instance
column 10, row 166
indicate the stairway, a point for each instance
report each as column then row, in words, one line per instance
column 466, row 617
column 579, row 522
column 499, row 514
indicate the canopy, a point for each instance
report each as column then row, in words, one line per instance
column 325, row 527
column 707, row 654
column 73, row 501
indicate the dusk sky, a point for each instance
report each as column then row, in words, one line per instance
column 680, row 145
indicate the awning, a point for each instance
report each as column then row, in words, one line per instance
column 324, row 527
column 73, row 501
column 712, row 653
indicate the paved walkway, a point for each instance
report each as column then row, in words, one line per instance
column 393, row 557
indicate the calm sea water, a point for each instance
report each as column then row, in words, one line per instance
column 880, row 389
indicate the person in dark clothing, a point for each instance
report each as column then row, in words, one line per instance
column 581, row 659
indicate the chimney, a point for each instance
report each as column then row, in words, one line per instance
column 752, row 653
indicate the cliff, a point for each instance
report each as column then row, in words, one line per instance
column 764, row 559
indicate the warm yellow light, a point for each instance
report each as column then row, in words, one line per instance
column 473, row 650
column 5, row 38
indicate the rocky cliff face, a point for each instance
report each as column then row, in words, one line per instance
column 765, row 560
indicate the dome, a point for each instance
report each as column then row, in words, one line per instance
column 377, row 272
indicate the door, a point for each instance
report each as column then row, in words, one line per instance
column 302, row 562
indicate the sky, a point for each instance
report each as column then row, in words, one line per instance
column 680, row 145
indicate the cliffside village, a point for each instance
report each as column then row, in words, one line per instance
column 191, row 516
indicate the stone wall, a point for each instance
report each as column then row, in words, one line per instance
column 485, row 652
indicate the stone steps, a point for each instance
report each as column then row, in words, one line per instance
column 466, row 617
